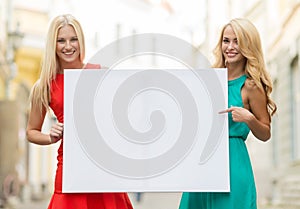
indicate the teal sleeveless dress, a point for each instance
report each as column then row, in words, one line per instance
column 242, row 193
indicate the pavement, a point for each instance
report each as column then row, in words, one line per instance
column 144, row 201
column 156, row 200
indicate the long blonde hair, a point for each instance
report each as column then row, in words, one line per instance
column 40, row 94
column 250, row 47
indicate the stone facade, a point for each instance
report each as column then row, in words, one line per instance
column 284, row 63
column 276, row 163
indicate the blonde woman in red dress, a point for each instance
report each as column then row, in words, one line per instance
column 65, row 49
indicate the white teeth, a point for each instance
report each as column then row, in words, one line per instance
column 231, row 54
column 68, row 53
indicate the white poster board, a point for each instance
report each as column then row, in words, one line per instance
column 145, row 130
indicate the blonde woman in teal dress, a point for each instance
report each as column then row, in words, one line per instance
column 249, row 109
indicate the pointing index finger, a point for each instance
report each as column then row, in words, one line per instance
column 226, row 110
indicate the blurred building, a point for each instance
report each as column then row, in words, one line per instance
column 283, row 61
column 22, row 34
column 28, row 169
column 9, row 108
column 276, row 162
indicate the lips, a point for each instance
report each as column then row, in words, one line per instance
column 231, row 54
column 69, row 53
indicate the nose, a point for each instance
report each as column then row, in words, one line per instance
column 231, row 45
column 68, row 44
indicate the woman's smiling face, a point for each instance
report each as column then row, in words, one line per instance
column 230, row 47
column 67, row 45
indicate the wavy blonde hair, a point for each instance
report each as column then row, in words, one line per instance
column 250, row 47
column 40, row 94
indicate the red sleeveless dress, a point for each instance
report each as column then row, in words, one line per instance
column 61, row 200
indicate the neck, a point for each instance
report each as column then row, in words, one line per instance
column 235, row 71
column 69, row 65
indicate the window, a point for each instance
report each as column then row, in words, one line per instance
column 295, row 109
column 274, row 129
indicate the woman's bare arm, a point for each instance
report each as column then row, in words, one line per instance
column 34, row 127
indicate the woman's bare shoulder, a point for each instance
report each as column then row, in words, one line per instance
column 252, row 89
column 92, row 66
column 250, row 85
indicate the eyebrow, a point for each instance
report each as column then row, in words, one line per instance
column 64, row 38
column 224, row 37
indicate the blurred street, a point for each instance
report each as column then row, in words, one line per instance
column 146, row 201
